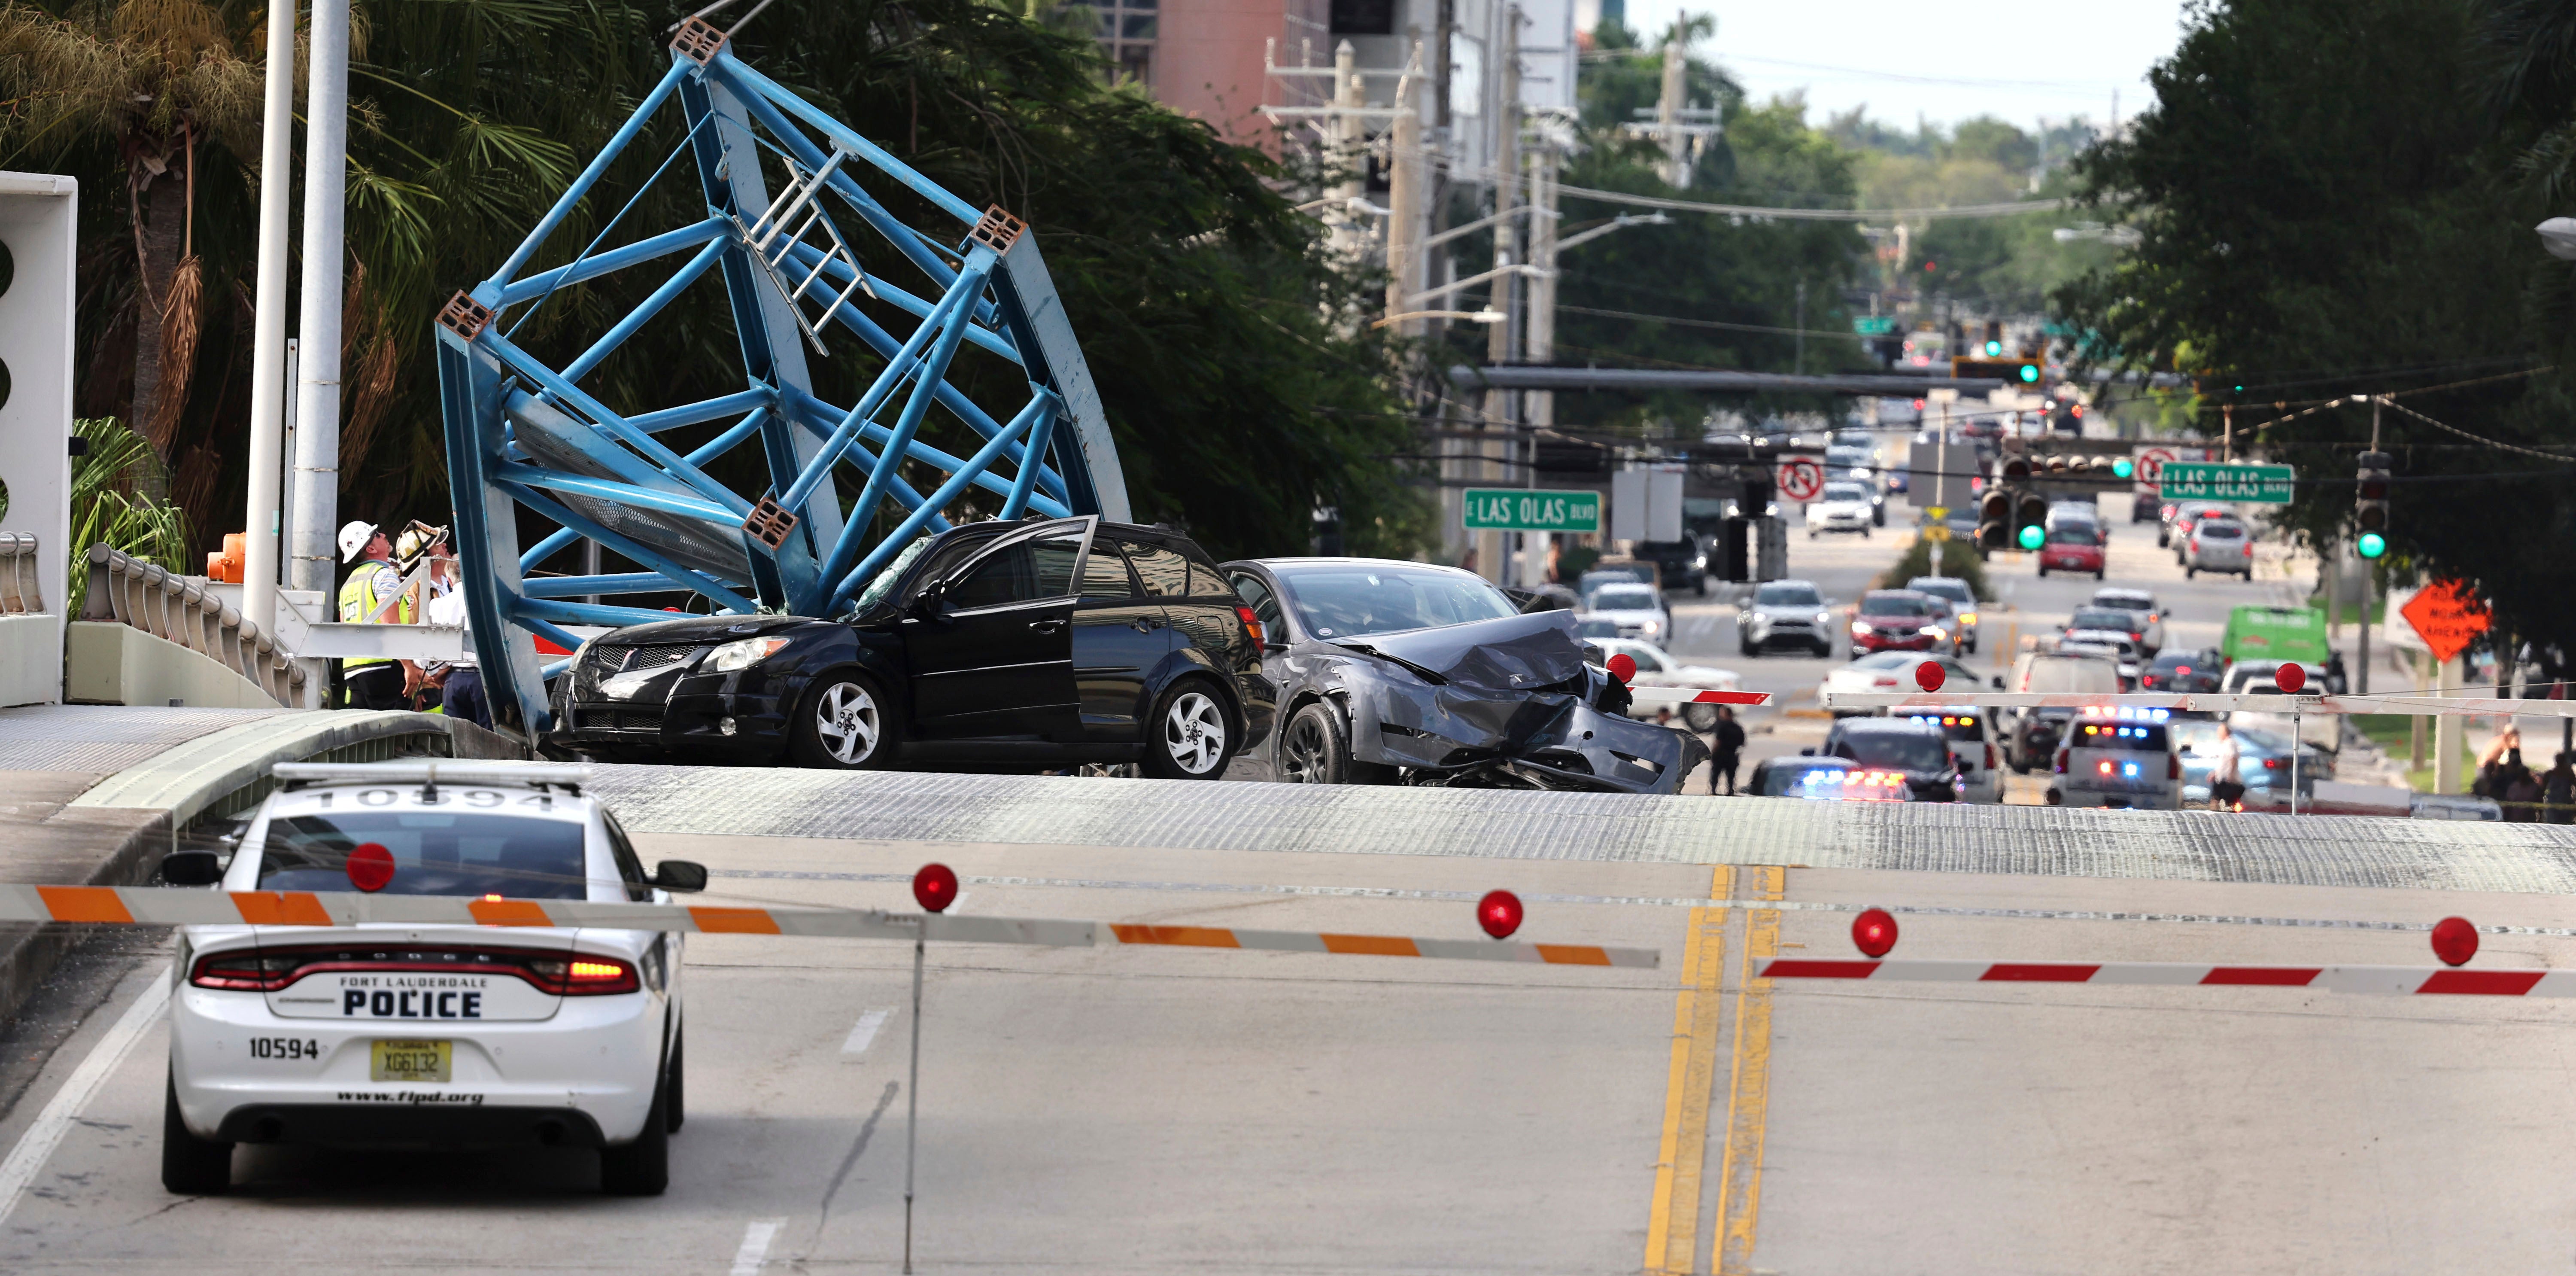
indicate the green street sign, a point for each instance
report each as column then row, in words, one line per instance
column 1514, row 509
column 1873, row 325
column 2211, row 481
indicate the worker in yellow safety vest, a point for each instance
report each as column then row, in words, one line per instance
column 373, row 682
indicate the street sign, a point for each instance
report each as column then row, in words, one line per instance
column 2151, row 464
column 2212, row 481
column 1801, row 479
column 1514, row 509
column 1874, row 325
column 1937, row 532
column 2447, row 615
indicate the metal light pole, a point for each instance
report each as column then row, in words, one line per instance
column 310, row 557
column 268, row 322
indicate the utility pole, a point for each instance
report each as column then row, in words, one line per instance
column 1682, row 130
column 1501, row 338
column 316, row 521
column 1406, row 170
column 1347, row 135
column 2361, row 673
column 1802, row 328
column 268, row 323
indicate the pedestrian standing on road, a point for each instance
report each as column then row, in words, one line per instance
column 1729, row 752
column 2558, row 789
column 2226, row 778
column 373, row 682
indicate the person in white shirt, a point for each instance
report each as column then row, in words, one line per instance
column 460, row 681
column 2226, row 779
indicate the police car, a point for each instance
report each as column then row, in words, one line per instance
column 424, row 1036
column 2121, row 757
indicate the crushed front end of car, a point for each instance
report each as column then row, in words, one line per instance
column 1504, row 703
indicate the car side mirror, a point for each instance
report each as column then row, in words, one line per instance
column 191, row 868
column 926, row 602
column 680, row 875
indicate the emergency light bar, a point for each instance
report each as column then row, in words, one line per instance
column 2197, row 703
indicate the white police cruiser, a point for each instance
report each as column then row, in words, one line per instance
column 426, row 1036
column 2122, row 757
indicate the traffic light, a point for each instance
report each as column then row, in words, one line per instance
column 2123, row 467
column 2030, row 520
column 2370, row 505
column 1994, row 349
column 2012, row 372
column 1994, row 519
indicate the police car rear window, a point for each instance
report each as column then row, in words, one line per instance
column 434, row 853
column 2144, row 737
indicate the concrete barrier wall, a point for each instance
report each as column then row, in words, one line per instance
column 105, row 662
column 31, row 661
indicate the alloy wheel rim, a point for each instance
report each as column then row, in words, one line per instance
column 846, row 721
column 1305, row 751
column 1194, row 733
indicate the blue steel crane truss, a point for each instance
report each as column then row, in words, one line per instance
column 523, row 434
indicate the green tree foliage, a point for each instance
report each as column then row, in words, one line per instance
column 2321, row 218
column 1241, row 392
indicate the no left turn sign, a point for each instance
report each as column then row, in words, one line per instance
column 1801, row 479
column 2151, row 464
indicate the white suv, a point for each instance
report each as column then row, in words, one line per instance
column 423, row 1036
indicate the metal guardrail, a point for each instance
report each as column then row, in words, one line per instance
column 182, row 610
column 19, row 594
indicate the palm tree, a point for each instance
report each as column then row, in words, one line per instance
column 154, row 79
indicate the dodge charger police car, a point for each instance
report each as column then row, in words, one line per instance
column 407, row 1036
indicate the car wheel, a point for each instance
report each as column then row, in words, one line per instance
column 2098, row 571
column 1824, row 651
column 190, row 1166
column 1316, row 748
column 2043, row 569
column 846, row 725
column 1190, row 736
column 1700, row 717
column 1748, row 651
column 1864, row 533
column 2190, row 573
column 673, row 1093
column 643, row 1167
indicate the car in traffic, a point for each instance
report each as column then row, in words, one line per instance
column 1896, row 620
column 2109, row 645
column 1844, row 506
column 2242, row 678
column 2219, row 545
column 2128, row 626
column 1963, row 607
column 2146, row 616
column 2183, row 671
column 1394, row 672
column 1894, row 671
column 1785, row 613
column 1656, row 667
column 2262, row 759
column 1919, row 749
column 1638, row 610
column 2031, row 734
column 2179, row 516
column 1972, row 746
column 1681, row 564
column 2073, row 547
column 2120, row 758
column 1818, row 779
column 1027, row 645
column 408, row 1036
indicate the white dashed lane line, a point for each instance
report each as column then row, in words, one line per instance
column 747, row 1260
column 864, row 1032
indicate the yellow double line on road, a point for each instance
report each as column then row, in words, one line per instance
column 1673, row 1217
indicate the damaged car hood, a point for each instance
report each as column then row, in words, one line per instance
column 1507, row 653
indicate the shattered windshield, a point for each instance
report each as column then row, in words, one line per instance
column 1341, row 602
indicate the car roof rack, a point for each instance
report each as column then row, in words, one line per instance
column 568, row 776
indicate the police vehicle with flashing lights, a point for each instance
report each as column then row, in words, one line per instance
column 404, row 1036
column 2120, row 757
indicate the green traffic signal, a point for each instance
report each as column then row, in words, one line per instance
column 2030, row 372
column 2124, row 467
column 2031, row 536
column 2370, row 544
column 1994, row 348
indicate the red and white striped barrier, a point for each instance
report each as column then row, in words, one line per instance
column 1651, row 697
column 2190, row 702
column 183, row 906
column 2379, row 980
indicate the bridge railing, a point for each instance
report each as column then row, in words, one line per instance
column 181, row 609
column 19, row 593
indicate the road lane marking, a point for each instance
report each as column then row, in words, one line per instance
column 37, row 1145
column 747, row 1260
column 864, row 1032
column 1672, row 1215
column 1748, row 1104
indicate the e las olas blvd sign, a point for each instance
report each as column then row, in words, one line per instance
column 2212, row 481
column 1514, row 509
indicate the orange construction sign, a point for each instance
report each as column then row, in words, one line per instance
column 2447, row 615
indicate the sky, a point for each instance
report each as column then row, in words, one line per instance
column 2047, row 59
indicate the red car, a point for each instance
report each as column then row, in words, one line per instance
column 2074, row 547
column 1898, row 620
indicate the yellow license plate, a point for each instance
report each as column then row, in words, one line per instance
column 412, row 1061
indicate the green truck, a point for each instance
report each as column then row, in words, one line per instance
column 2275, row 633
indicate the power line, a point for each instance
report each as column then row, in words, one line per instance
column 1818, row 214
column 1703, row 323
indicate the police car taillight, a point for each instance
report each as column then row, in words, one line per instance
column 245, row 970
column 270, row 969
column 582, row 976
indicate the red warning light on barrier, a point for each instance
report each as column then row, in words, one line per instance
column 1929, row 675
column 2455, row 941
column 1623, row 667
column 2289, row 678
column 1874, row 932
column 371, row 866
column 935, row 887
column 1499, row 912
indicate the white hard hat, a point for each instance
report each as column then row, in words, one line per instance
column 354, row 537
